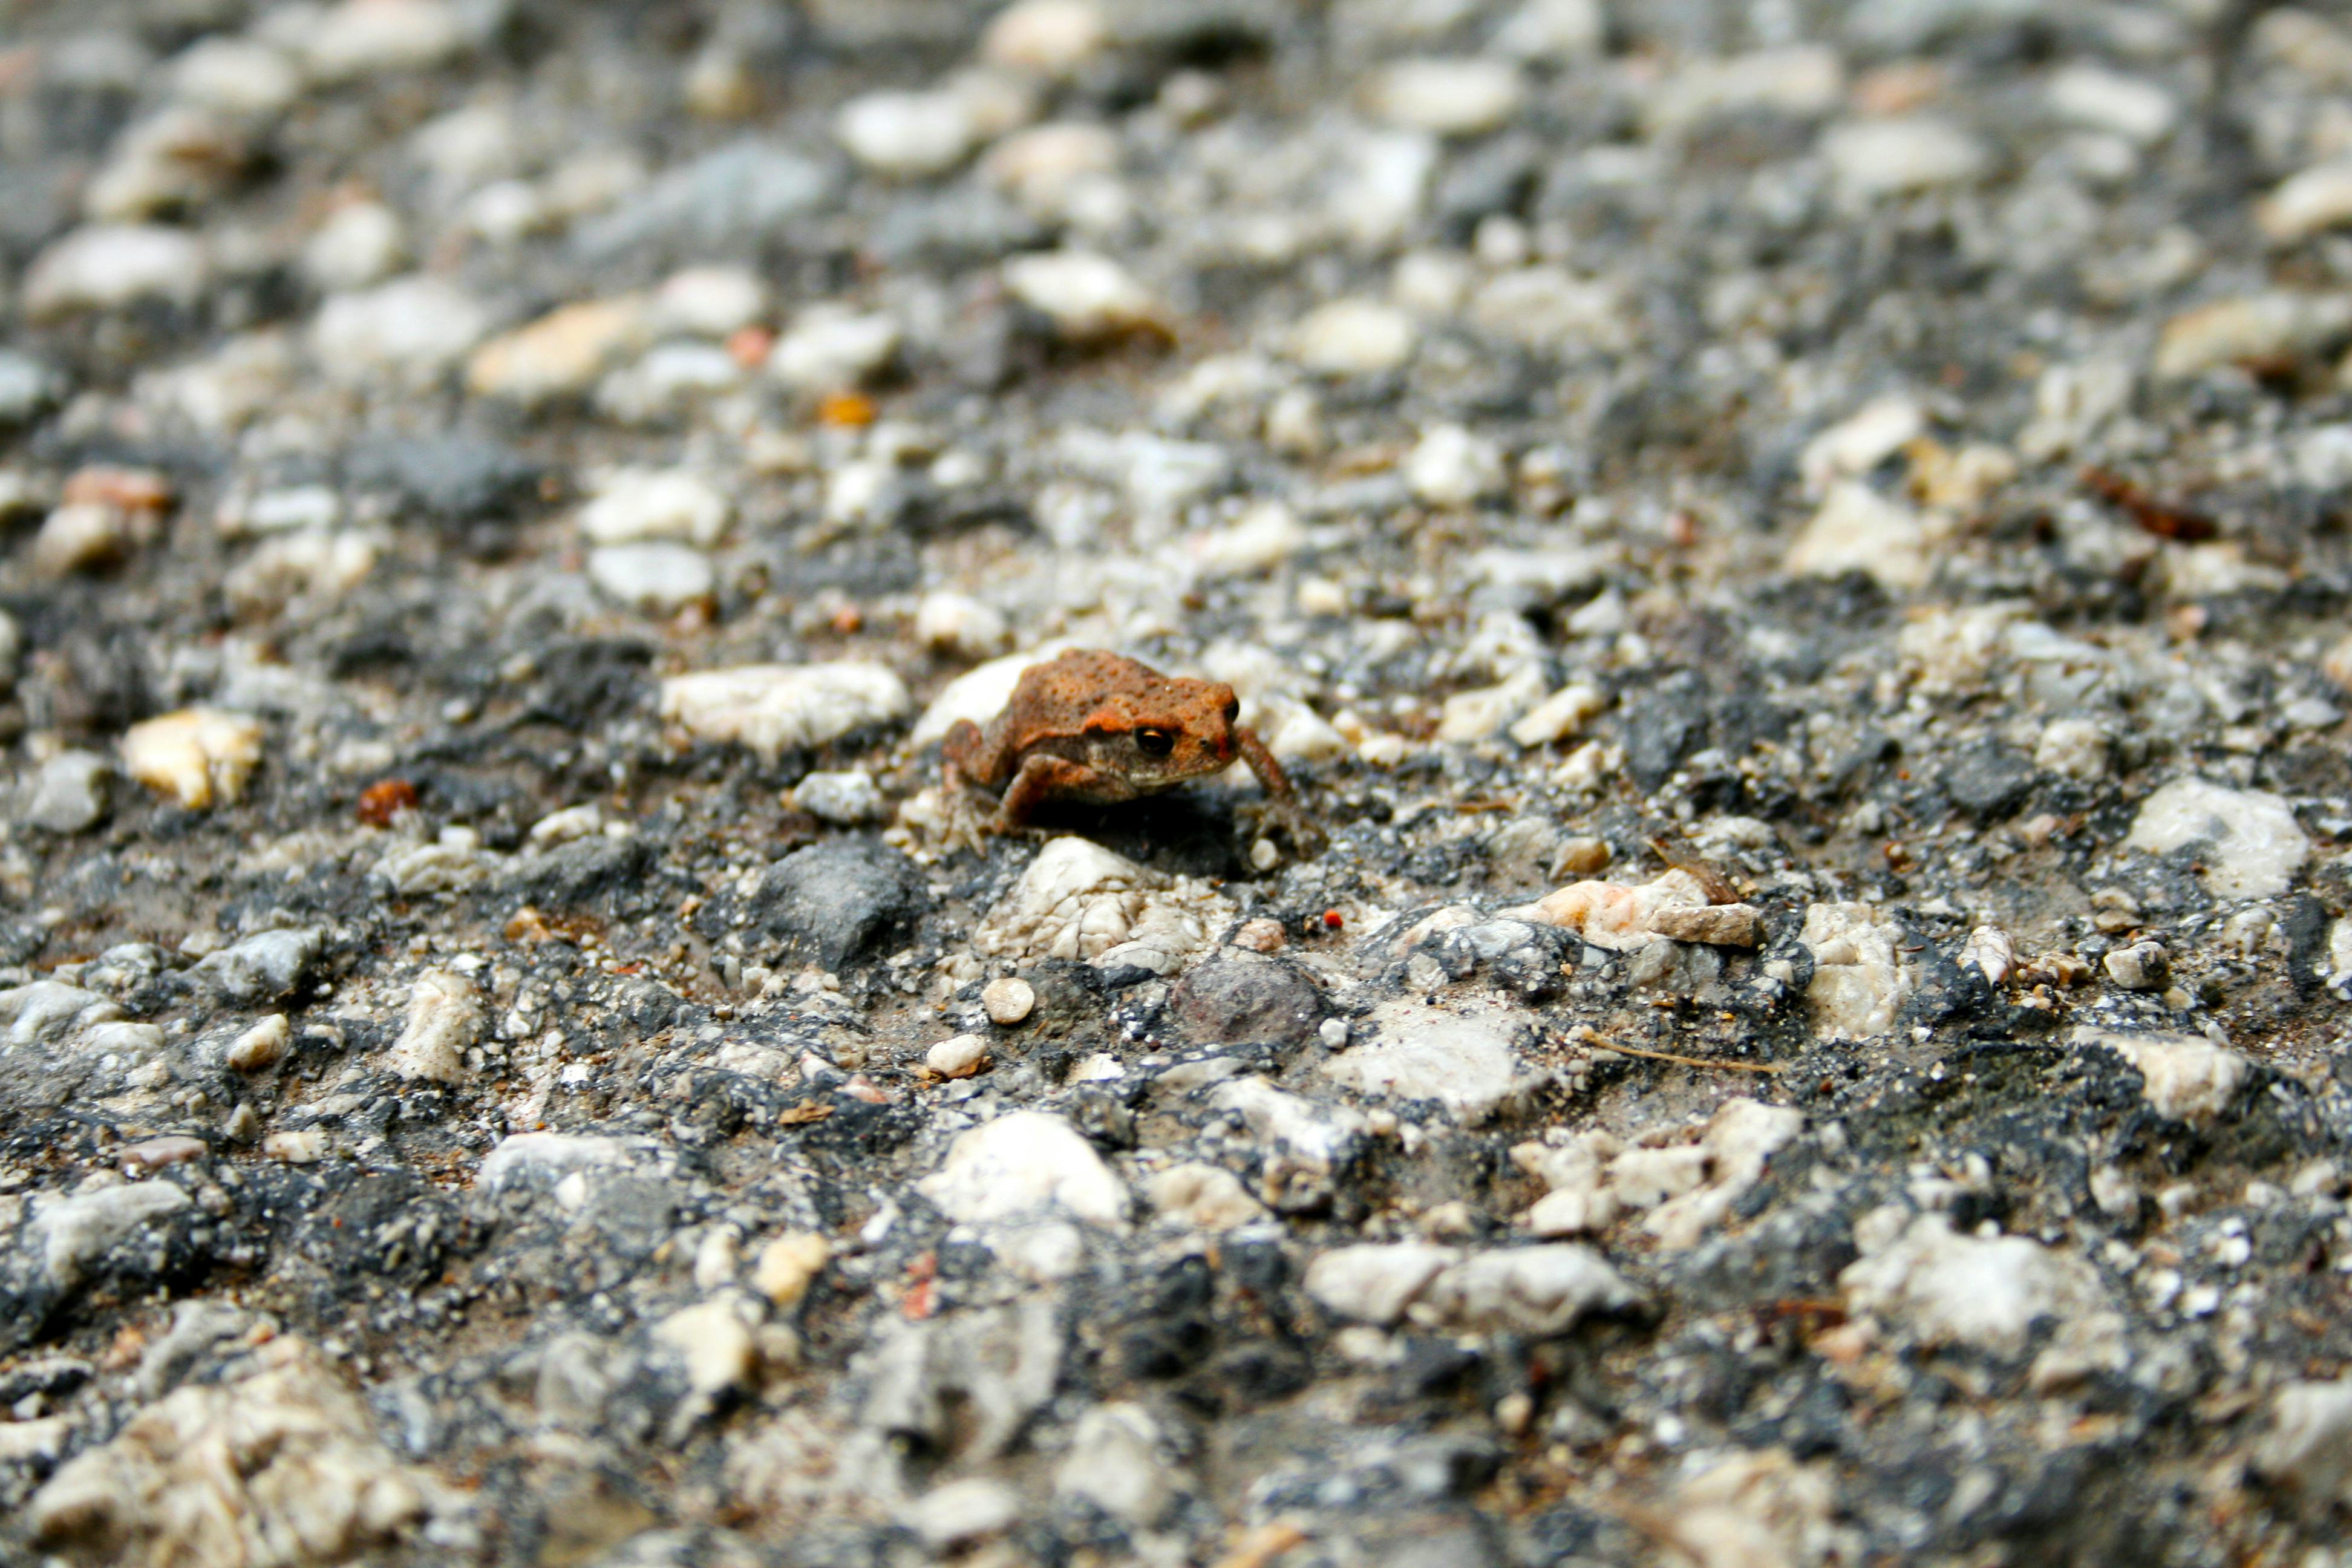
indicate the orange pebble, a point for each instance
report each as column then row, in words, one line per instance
column 850, row 408
column 385, row 799
column 529, row 925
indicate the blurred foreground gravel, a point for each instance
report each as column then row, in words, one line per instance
column 1798, row 550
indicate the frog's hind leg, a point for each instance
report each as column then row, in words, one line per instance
column 958, row 750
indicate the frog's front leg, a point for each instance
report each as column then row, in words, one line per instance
column 1045, row 777
column 1282, row 809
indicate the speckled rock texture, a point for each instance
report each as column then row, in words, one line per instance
column 1797, row 549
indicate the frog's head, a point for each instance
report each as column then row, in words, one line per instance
column 1180, row 730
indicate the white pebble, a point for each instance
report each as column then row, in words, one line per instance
column 2273, row 324
column 1048, row 167
column 289, row 510
column 1087, row 296
column 1203, row 1197
column 1023, row 1164
column 68, row 795
column 707, row 302
column 2140, row 967
column 1258, row 541
column 1448, row 97
column 1554, row 30
column 445, row 1017
column 1452, row 467
column 1858, row 530
column 2305, row 204
column 85, row 537
column 2072, row 748
column 178, row 158
column 298, row 573
column 1475, row 714
column 1801, row 80
column 2248, row 843
column 1990, row 952
column 1353, row 337
column 306, row 1147
column 1977, row 1290
column 667, row 382
column 362, row 242
column 960, row 1512
column 961, row 625
column 1295, row 733
column 412, row 330
column 1560, row 715
column 2308, row 1446
column 372, row 37
column 656, row 577
column 565, row 826
column 1432, row 282
column 1008, row 1001
column 237, row 75
column 712, row 1344
column 105, row 267
column 844, row 799
column 771, row 707
column 1052, row 37
column 958, row 1058
column 2182, row 1075
column 1876, row 158
column 906, row 135
column 2138, row 110
column 1854, row 446
column 634, row 504
column 1374, row 1283
column 261, row 1046
column 832, row 348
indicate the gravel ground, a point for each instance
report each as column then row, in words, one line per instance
column 1796, row 549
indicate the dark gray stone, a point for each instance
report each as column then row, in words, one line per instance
column 833, row 902
column 1988, row 780
column 587, row 872
column 1662, row 727
column 261, row 967
column 739, row 196
column 1238, row 998
column 453, row 478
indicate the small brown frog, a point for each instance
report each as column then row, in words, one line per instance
column 1094, row 727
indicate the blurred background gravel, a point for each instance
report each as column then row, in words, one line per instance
column 1798, row 550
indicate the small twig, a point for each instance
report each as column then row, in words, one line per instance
column 2160, row 518
column 1600, row 1045
column 1263, row 1544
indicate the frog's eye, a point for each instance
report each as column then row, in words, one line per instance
column 1233, row 709
column 1155, row 742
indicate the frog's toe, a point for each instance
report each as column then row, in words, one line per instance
column 1305, row 835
